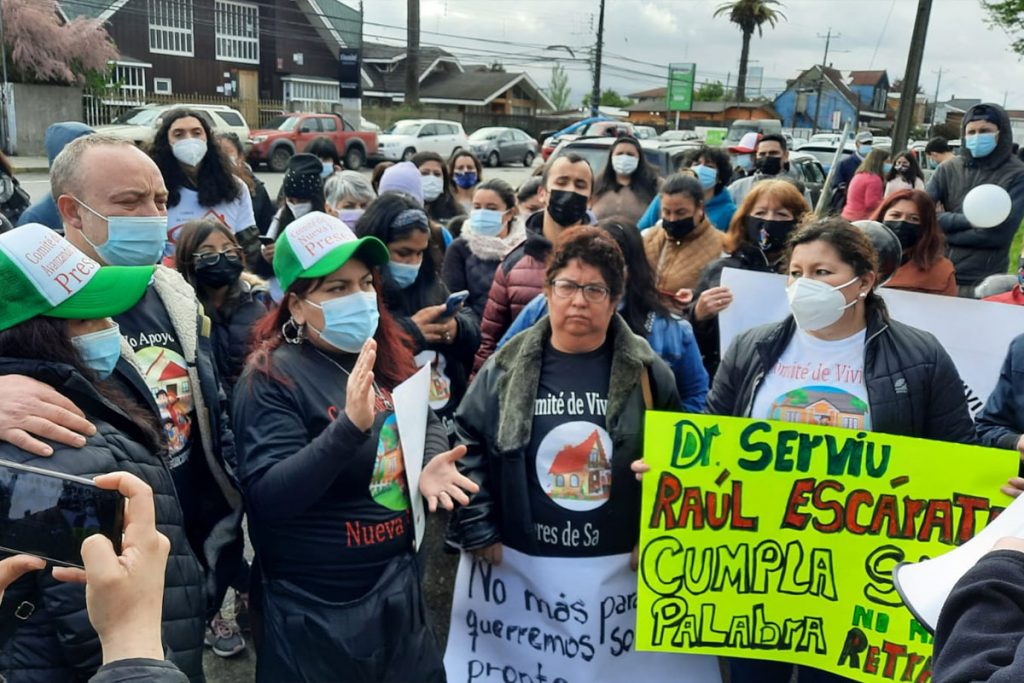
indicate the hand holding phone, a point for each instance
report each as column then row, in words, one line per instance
column 48, row 514
column 454, row 303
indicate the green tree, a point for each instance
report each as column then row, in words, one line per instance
column 609, row 98
column 710, row 92
column 749, row 15
column 1008, row 15
column 558, row 89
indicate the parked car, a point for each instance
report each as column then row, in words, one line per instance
column 740, row 128
column 678, row 135
column 496, row 146
column 139, row 124
column 824, row 152
column 596, row 126
column 927, row 165
column 402, row 139
column 645, row 132
column 810, row 171
column 291, row 134
column 595, row 151
column 368, row 126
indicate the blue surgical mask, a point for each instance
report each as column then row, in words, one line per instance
column 486, row 222
column 349, row 320
column 100, row 351
column 351, row 216
column 131, row 240
column 981, row 145
column 864, row 150
column 327, row 170
column 402, row 273
column 745, row 162
column 707, row 176
column 465, row 179
column 886, row 167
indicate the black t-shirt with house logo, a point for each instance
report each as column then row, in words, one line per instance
column 569, row 462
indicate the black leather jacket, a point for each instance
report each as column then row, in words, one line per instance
column 913, row 387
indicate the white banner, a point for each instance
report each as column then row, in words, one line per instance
column 976, row 334
column 555, row 620
column 410, row 399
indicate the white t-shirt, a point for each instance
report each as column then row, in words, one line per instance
column 236, row 214
column 817, row 382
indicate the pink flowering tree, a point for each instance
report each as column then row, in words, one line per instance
column 41, row 47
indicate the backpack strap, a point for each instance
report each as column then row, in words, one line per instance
column 645, row 387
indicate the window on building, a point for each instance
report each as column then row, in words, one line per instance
column 170, row 27
column 306, row 94
column 126, row 83
column 162, row 86
column 237, row 30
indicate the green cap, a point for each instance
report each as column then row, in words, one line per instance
column 317, row 245
column 41, row 273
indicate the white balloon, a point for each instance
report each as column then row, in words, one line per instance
column 986, row 206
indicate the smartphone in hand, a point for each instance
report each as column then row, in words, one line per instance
column 49, row 514
column 454, row 303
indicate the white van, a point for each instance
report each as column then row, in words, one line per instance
column 139, row 124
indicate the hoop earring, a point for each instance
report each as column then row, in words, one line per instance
column 292, row 332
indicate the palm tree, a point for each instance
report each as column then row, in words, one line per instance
column 749, row 15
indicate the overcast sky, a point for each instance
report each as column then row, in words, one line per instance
column 643, row 36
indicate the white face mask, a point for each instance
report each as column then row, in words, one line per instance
column 432, row 187
column 815, row 304
column 189, row 151
column 301, row 209
column 624, row 164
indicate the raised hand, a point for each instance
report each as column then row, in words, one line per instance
column 441, row 482
column 359, row 397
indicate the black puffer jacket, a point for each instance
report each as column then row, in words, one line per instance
column 57, row 643
column 913, row 386
column 232, row 328
column 496, row 448
column 471, row 260
column 977, row 253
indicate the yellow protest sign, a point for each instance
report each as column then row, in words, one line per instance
column 773, row 540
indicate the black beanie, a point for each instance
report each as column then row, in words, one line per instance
column 982, row 112
column 302, row 178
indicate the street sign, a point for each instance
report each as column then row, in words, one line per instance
column 350, row 72
column 679, row 95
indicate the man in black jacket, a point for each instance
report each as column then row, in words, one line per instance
column 111, row 197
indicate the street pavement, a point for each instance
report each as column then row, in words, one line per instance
column 242, row 667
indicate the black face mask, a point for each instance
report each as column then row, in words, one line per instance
column 679, row 229
column 567, row 207
column 768, row 235
column 223, row 272
column 907, row 233
column 769, row 165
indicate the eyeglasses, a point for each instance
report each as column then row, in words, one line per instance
column 211, row 258
column 566, row 289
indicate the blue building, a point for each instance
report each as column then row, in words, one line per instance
column 872, row 88
column 839, row 105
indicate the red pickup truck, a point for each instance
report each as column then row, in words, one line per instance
column 291, row 133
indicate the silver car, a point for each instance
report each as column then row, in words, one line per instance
column 495, row 146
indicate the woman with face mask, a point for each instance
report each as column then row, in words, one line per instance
column 488, row 234
column 466, row 173
column 899, row 380
column 905, row 174
column 321, row 463
column 910, row 214
column 438, row 200
column 867, row 187
column 233, row 299
column 711, row 167
column 627, row 184
column 64, row 337
column 683, row 242
column 416, row 296
column 199, row 180
column 348, row 193
column 756, row 241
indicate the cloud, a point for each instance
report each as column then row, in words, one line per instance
column 660, row 19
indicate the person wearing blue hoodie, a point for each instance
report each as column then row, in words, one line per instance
column 58, row 135
column 670, row 337
column 713, row 169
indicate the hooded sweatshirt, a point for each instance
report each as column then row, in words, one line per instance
column 977, row 253
column 58, row 135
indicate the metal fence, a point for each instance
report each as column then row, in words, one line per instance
column 98, row 110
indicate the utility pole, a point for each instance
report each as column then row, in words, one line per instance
column 935, row 103
column 412, row 53
column 821, row 79
column 595, row 96
column 905, row 114
column 5, row 132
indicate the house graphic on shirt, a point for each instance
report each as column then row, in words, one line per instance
column 582, row 471
column 387, row 483
column 826, row 406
